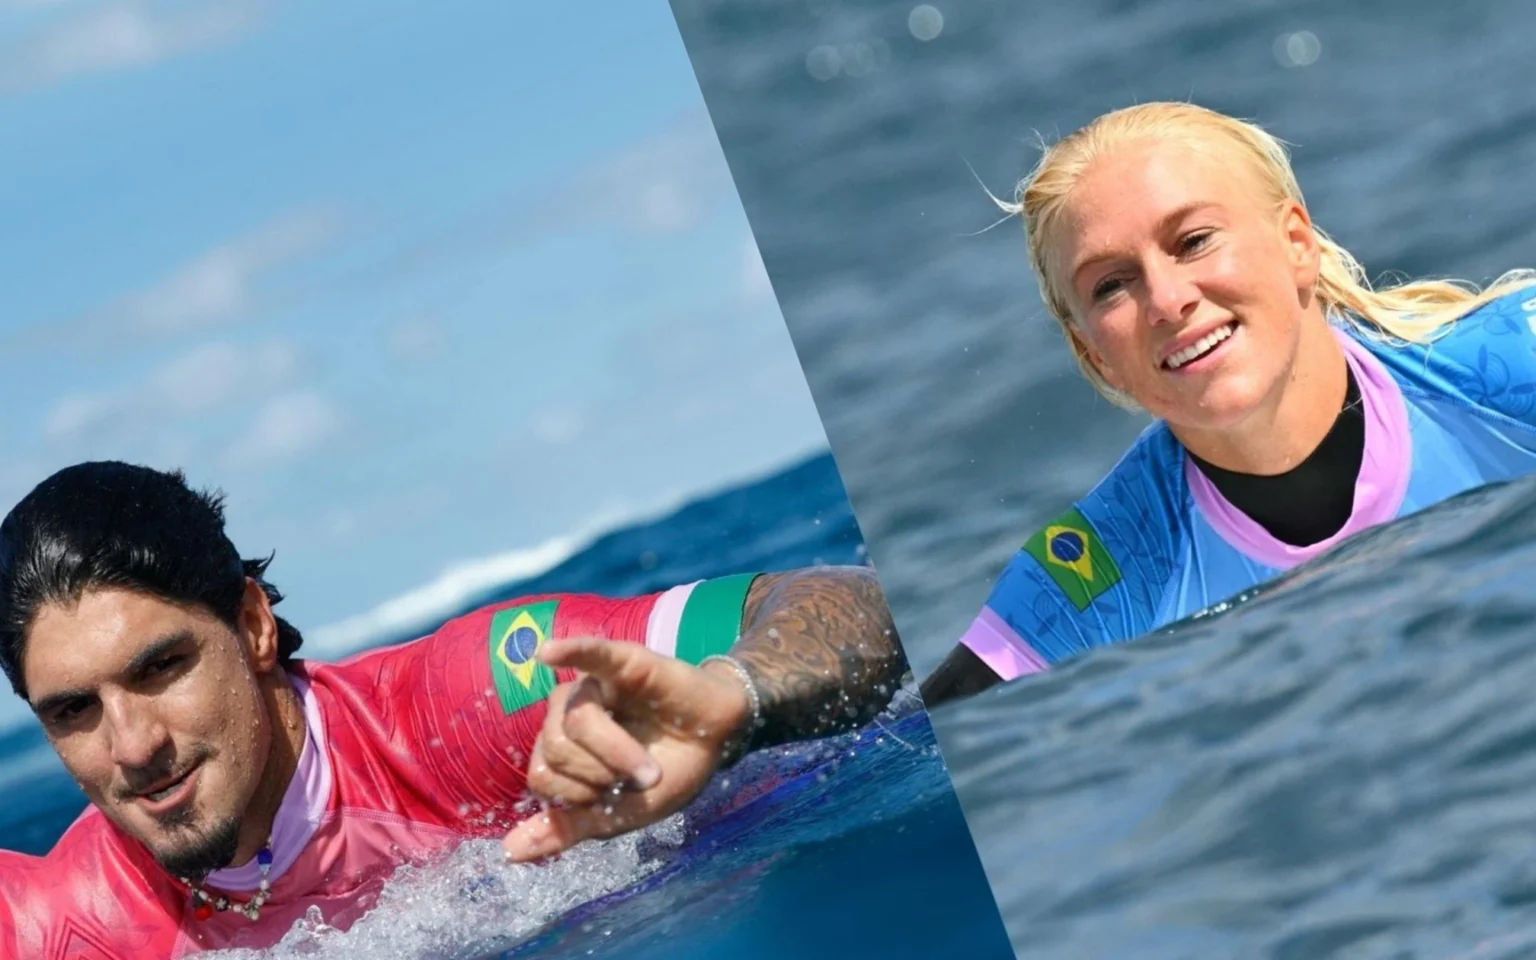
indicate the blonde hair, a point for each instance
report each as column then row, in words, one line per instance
column 1410, row 312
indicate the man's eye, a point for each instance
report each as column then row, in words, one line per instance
column 163, row 664
column 70, row 711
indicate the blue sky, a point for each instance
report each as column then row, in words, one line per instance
column 422, row 287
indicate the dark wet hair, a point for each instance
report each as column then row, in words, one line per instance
column 110, row 524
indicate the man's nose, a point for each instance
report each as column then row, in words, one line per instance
column 136, row 732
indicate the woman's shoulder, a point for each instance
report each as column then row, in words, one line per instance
column 1506, row 319
column 1096, row 572
column 1135, row 507
column 1486, row 358
column 1151, row 472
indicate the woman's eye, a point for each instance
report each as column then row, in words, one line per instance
column 1195, row 241
column 1104, row 288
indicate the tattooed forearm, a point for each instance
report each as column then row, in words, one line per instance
column 822, row 651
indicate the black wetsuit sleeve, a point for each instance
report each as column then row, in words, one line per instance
column 962, row 674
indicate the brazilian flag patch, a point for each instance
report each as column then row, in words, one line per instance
column 1075, row 558
column 517, row 633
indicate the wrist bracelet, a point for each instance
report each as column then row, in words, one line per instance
column 740, row 742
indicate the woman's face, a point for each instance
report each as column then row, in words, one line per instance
column 1188, row 288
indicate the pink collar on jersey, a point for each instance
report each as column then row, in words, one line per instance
column 303, row 807
column 1379, row 489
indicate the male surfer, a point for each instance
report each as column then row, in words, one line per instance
column 235, row 787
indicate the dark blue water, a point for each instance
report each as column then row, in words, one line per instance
column 866, row 832
column 1341, row 769
column 1340, row 765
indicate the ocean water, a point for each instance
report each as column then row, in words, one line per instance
column 863, row 831
column 1338, row 768
column 1339, row 765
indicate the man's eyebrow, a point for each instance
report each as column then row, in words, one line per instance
column 156, row 650
column 137, row 665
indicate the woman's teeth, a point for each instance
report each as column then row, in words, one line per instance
column 1200, row 347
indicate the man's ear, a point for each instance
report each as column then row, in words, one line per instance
column 258, row 627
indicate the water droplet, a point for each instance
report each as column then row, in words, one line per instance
column 823, row 63
column 1299, row 49
column 925, row 22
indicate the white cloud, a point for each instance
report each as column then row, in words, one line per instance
column 120, row 35
column 229, row 282
column 286, row 427
column 754, row 276
column 665, row 207
column 77, row 414
column 340, row 524
column 663, row 184
column 221, row 285
column 414, row 338
column 559, row 427
column 195, row 382
column 209, row 376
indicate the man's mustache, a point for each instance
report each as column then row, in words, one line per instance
column 160, row 774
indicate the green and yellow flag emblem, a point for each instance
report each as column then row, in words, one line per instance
column 517, row 633
column 1075, row 558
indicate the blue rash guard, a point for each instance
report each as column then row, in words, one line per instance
column 1155, row 541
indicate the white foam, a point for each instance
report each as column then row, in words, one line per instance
column 421, row 912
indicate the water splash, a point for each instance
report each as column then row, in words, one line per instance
column 473, row 904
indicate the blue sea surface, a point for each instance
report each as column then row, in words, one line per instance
column 860, row 850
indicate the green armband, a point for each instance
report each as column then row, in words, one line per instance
column 711, row 621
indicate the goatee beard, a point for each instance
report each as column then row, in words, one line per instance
column 205, row 853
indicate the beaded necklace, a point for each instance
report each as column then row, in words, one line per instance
column 204, row 904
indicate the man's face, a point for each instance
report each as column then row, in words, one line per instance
column 156, row 711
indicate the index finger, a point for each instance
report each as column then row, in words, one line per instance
column 613, row 661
